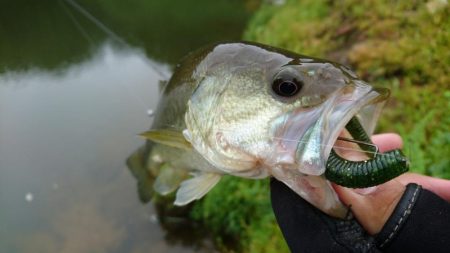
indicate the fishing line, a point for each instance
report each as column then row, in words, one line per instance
column 97, row 22
column 115, row 38
column 110, row 33
column 77, row 24
column 374, row 153
column 377, row 153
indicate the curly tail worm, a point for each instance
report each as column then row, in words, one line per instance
column 361, row 174
column 358, row 133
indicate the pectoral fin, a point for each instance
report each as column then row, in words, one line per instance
column 169, row 179
column 167, row 137
column 196, row 187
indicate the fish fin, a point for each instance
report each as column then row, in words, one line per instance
column 196, row 187
column 135, row 164
column 169, row 179
column 167, row 137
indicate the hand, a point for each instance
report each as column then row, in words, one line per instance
column 385, row 197
column 404, row 217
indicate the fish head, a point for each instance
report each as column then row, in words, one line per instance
column 330, row 96
column 256, row 109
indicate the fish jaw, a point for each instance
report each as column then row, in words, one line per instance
column 314, row 189
column 303, row 138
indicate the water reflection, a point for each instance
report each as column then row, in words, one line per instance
column 64, row 137
column 51, row 33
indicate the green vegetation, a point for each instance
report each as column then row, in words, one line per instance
column 238, row 212
column 401, row 45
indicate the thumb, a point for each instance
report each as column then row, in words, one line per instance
column 372, row 206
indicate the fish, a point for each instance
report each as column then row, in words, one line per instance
column 255, row 111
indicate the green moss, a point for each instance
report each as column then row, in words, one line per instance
column 300, row 21
column 420, row 114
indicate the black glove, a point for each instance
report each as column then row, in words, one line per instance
column 420, row 222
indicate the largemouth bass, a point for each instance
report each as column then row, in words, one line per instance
column 255, row 111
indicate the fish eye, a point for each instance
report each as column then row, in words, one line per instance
column 286, row 87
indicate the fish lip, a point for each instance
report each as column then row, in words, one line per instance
column 376, row 101
column 314, row 147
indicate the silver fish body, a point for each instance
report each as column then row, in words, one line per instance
column 255, row 111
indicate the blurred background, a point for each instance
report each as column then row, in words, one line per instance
column 78, row 80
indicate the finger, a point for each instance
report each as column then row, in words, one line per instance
column 373, row 209
column 439, row 186
column 387, row 141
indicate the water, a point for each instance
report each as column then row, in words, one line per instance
column 72, row 101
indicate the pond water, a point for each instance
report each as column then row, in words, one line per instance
column 76, row 82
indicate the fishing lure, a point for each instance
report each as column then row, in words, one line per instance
column 367, row 173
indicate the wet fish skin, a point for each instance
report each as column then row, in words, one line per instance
column 219, row 115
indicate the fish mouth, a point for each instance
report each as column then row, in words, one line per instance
column 353, row 142
column 352, row 149
column 356, row 104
